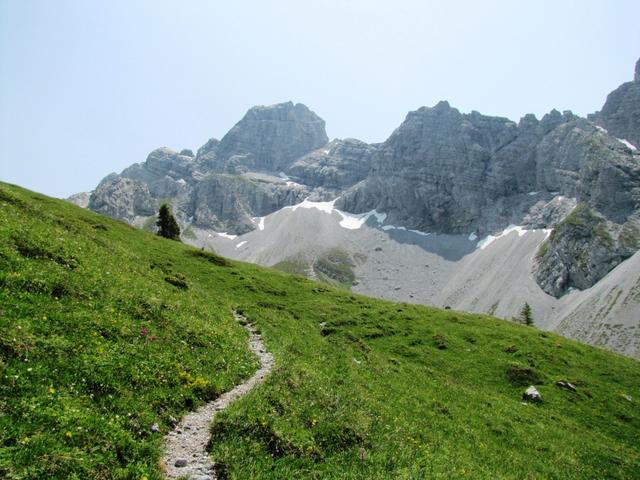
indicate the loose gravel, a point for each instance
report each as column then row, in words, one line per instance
column 185, row 446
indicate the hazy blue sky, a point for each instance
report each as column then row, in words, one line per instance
column 89, row 87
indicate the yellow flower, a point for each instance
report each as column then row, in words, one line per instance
column 68, row 434
column 52, row 390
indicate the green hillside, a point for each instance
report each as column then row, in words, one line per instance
column 106, row 330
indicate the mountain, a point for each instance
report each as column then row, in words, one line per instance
column 463, row 179
column 620, row 114
column 108, row 334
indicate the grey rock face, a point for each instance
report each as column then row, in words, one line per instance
column 81, row 199
column 165, row 172
column 620, row 114
column 225, row 202
column 581, row 250
column 543, row 214
column 578, row 160
column 122, row 198
column 270, row 138
column 448, row 172
column 206, row 156
column 338, row 165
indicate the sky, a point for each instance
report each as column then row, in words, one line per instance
column 90, row 87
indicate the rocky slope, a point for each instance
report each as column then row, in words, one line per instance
column 441, row 171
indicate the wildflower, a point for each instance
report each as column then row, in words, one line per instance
column 68, row 434
column 52, row 390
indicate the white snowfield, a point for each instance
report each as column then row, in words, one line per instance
column 489, row 239
column 349, row 221
column 628, row 144
column 488, row 275
column 226, row 235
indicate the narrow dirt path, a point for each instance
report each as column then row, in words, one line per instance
column 185, row 447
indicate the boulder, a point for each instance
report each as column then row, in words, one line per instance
column 565, row 385
column 531, row 394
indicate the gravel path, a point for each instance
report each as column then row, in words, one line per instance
column 185, row 452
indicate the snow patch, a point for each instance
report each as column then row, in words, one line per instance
column 326, row 152
column 533, row 193
column 351, row 221
column 424, row 234
column 181, row 181
column 489, row 239
column 241, row 243
column 326, row 207
column 283, row 176
column 628, row 144
column 473, row 236
column 355, row 221
column 226, row 235
column 603, row 130
column 259, row 221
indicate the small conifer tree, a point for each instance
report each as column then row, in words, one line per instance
column 526, row 316
column 167, row 225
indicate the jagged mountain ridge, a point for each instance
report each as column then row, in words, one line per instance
column 440, row 171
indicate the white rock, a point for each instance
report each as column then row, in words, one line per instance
column 532, row 395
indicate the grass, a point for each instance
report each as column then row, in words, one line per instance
column 96, row 346
column 335, row 266
column 296, row 265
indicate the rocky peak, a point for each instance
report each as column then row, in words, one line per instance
column 270, row 138
column 620, row 114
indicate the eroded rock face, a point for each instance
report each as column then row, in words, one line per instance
column 270, row 138
column 122, row 198
column 225, row 202
column 338, row 165
column 81, row 199
column 165, row 172
column 449, row 172
column 620, row 114
column 581, row 250
column 578, row 160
